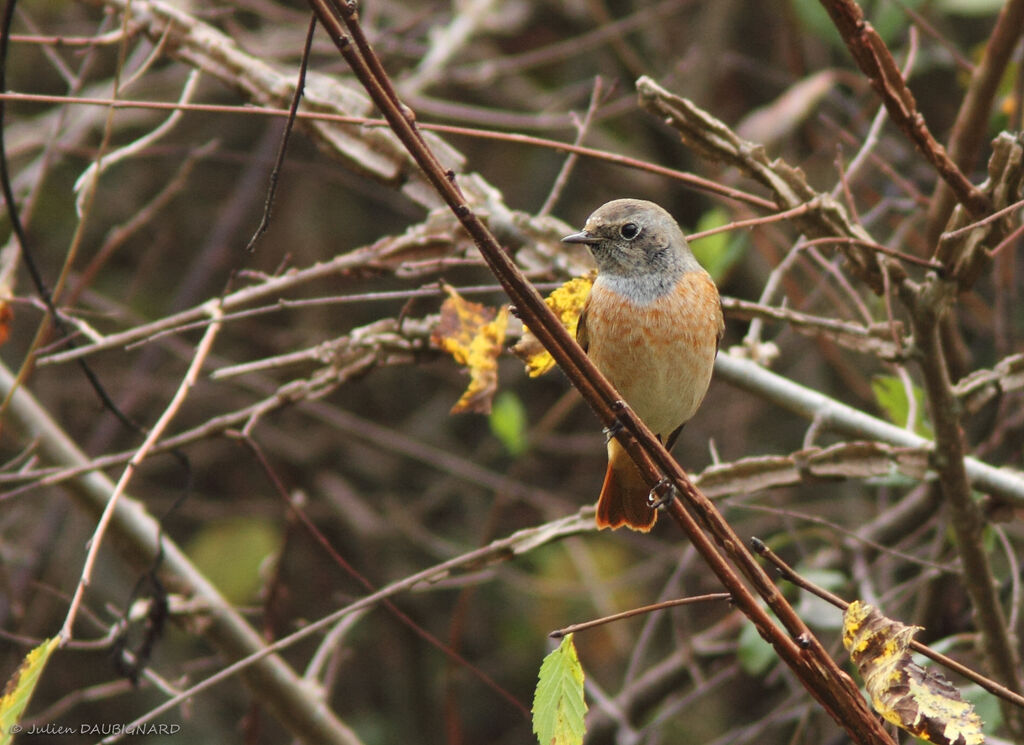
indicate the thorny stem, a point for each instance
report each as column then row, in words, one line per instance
column 808, row 659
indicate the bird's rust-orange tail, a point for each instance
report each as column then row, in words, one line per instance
column 623, row 499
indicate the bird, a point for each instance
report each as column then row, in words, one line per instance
column 652, row 325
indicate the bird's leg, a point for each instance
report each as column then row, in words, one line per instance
column 610, row 432
column 662, row 493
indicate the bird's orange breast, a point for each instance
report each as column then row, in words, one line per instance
column 659, row 355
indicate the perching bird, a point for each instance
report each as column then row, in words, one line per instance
column 651, row 324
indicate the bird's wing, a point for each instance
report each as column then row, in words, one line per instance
column 581, row 327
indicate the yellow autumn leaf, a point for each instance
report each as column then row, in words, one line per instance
column 920, row 701
column 473, row 335
column 567, row 303
column 20, row 686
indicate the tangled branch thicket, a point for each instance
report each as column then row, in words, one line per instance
column 310, row 485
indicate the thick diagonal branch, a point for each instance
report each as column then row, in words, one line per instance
column 808, row 659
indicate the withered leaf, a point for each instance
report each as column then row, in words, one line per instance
column 920, row 701
column 473, row 335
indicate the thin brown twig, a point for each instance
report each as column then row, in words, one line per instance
column 118, row 236
column 853, row 535
column 800, row 209
column 585, row 625
column 961, row 61
column 325, row 544
column 970, row 128
column 803, row 209
column 695, row 181
column 902, row 255
column 844, row 184
column 188, row 381
column 867, row 147
column 981, row 223
column 275, row 172
column 1008, row 240
column 111, row 38
column 582, row 128
column 893, row 329
column 876, row 62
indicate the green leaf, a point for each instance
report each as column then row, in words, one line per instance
column 985, row 704
column 508, row 422
column 755, row 654
column 231, row 553
column 19, row 689
column 719, row 252
column 890, row 19
column 970, row 7
column 558, row 705
column 815, row 20
column 892, row 398
column 817, row 613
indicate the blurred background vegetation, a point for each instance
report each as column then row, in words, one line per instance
column 393, row 481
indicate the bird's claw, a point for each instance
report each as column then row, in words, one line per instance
column 662, row 493
column 611, row 431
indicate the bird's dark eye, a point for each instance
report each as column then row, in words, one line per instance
column 629, row 231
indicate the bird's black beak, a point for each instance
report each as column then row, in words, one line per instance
column 581, row 237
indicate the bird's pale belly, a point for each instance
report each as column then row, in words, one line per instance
column 658, row 355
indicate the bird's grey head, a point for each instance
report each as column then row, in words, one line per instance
column 633, row 237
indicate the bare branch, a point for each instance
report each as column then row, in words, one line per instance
column 276, row 684
column 876, row 62
column 710, row 137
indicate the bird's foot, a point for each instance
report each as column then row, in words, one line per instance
column 610, row 432
column 662, row 493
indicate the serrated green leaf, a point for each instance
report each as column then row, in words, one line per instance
column 508, row 422
column 558, row 705
column 19, row 688
column 891, row 396
column 755, row 654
